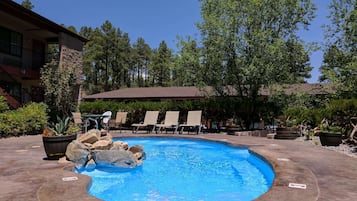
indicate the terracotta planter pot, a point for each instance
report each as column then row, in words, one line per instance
column 288, row 133
column 55, row 146
column 330, row 139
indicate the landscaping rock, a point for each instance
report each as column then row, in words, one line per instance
column 90, row 137
column 78, row 153
column 102, row 145
column 138, row 152
column 91, row 165
column 136, row 148
column 120, row 145
column 107, row 137
column 90, row 150
column 118, row 158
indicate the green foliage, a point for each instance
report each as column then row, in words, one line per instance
column 328, row 127
column 27, row 4
column 59, row 83
column 215, row 109
column 3, row 104
column 340, row 60
column 110, row 61
column 335, row 115
column 255, row 44
column 30, row 119
column 302, row 108
column 341, row 111
column 160, row 66
column 303, row 115
column 248, row 44
column 61, row 126
column 140, row 65
column 187, row 70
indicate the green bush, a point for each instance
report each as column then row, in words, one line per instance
column 213, row 109
column 343, row 108
column 3, row 104
column 303, row 115
column 136, row 110
column 30, row 119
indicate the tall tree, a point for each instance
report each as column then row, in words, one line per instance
column 121, row 60
column 160, row 66
column 109, row 44
column 92, row 60
column 187, row 70
column 141, row 60
column 340, row 56
column 244, row 44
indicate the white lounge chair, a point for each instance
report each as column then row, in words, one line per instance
column 170, row 122
column 193, row 121
column 150, row 120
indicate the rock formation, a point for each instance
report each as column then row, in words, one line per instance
column 92, row 149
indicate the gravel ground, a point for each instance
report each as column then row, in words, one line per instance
column 348, row 149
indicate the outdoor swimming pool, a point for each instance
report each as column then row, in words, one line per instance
column 182, row 169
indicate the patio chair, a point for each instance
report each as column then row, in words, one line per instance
column 120, row 119
column 193, row 121
column 150, row 120
column 106, row 116
column 77, row 120
column 170, row 122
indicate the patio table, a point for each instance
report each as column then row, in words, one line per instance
column 96, row 118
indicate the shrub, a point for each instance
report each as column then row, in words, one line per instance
column 60, row 84
column 3, row 104
column 30, row 119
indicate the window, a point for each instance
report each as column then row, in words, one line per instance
column 10, row 42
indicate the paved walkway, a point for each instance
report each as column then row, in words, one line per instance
column 328, row 175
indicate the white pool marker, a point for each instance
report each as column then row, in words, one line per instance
column 21, row 150
column 35, row 146
column 274, row 145
column 283, row 159
column 296, row 185
column 69, row 178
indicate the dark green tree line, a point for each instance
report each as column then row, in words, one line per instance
column 112, row 62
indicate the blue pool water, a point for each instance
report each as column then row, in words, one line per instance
column 184, row 170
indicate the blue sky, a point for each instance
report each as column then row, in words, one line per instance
column 155, row 20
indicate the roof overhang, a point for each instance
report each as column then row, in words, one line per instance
column 191, row 93
column 11, row 8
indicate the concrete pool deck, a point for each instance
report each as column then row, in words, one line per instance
column 328, row 175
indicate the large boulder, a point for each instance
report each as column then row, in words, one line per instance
column 78, row 153
column 120, row 158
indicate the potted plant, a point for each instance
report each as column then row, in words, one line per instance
column 330, row 134
column 287, row 129
column 56, row 136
